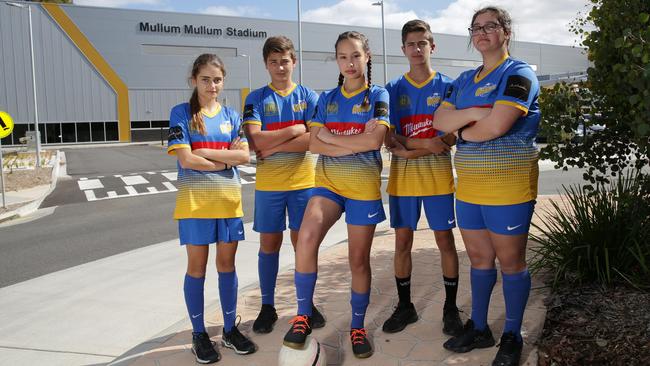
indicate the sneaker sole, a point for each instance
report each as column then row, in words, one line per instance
column 465, row 349
column 452, row 334
column 408, row 321
column 364, row 355
column 265, row 330
column 230, row 345
column 294, row 345
column 204, row 362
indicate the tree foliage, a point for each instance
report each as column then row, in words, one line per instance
column 616, row 34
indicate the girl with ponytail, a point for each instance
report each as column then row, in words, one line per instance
column 203, row 135
column 347, row 132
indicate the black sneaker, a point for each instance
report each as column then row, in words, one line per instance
column 470, row 338
column 265, row 320
column 238, row 342
column 317, row 319
column 509, row 350
column 297, row 334
column 361, row 346
column 451, row 323
column 204, row 349
column 401, row 317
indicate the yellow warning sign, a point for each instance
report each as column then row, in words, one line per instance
column 6, row 124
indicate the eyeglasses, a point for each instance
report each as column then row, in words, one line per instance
column 487, row 28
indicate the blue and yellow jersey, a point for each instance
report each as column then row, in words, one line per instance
column 203, row 194
column 411, row 115
column 502, row 171
column 273, row 110
column 355, row 176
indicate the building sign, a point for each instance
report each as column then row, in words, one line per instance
column 200, row 30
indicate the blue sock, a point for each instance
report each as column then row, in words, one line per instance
column 483, row 281
column 359, row 304
column 267, row 269
column 516, row 288
column 305, row 284
column 228, row 298
column 193, row 291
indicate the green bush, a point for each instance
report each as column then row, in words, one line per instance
column 597, row 236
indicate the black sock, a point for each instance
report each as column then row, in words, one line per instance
column 404, row 290
column 451, row 288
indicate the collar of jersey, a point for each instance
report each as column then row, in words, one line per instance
column 352, row 94
column 477, row 79
column 211, row 115
column 420, row 85
column 293, row 87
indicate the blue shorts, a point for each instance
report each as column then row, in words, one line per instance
column 439, row 209
column 506, row 220
column 271, row 209
column 357, row 212
column 207, row 231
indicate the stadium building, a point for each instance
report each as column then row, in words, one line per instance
column 109, row 75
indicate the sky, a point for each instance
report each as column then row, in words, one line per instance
column 545, row 21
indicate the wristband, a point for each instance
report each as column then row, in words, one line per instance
column 444, row 142
column 460, row 133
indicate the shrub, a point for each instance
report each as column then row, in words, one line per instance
column 597, row 236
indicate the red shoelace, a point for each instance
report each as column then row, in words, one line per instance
column 300, row 323
column 358, row 336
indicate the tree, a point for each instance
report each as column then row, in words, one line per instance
column 616, row 94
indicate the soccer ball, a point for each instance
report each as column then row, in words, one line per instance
column 313, row 354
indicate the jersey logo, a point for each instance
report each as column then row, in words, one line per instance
column 332, row 108
column 381, row 110
column 404, row 101
column 249, row 111
column 418, row 126
column 433, row 100
column 175, row 133
column 270, row 109
column 226, row 127
column 449, row 92
column 360, row 108
column 518, row 87
column 485, row 90
column 300, row 106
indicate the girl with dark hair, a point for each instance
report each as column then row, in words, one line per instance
column 494, row 111
column 203, row 135
column 347, row 132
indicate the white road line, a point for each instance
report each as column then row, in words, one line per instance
column 84, row 178
column 135, row 179
column 247, row 169
column 90, row 195
column 171, row 176
column 111, row 194
column 152, row 189
column 170, row 187
column 131, row 190
column 90, row 184
column 118, row 175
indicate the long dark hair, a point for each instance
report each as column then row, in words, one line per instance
column 197, row 123
column 366, row 48
column 504, row 19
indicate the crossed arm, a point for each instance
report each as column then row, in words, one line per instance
column 237, row 154
column 479, row 124
column 327, row 143
column 266, row 143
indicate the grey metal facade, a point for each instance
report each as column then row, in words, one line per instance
column 155, row 64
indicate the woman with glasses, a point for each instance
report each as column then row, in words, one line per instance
column 495, row 114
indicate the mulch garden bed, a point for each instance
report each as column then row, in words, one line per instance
column 589, row 325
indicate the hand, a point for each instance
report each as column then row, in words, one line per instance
column 325, row 135
column 298, row 129
column 437, row 146
column 371, row 125
column 449, row 139
column 237, row 144
column 398, row 149
column 263, row 154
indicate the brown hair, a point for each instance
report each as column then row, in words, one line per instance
column 280, row 44
column 366, row 48
column 417, row 25
column 502, row 17
column 197, row 123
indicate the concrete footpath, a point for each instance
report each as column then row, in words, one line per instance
column 419, row 344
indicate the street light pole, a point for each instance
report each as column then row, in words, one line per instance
column 31, row 50
column 383, row 38
column 299, row 45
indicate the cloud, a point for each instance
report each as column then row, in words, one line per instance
column 117, row 3
column 533, row 20
column 237, row 11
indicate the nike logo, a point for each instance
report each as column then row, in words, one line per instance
column 370, row 216
column 451, row 221
column 241, row 232
column 196, row 316
column 510, row 228
column 357, row 314
column 303, row 299
column 229, row 312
